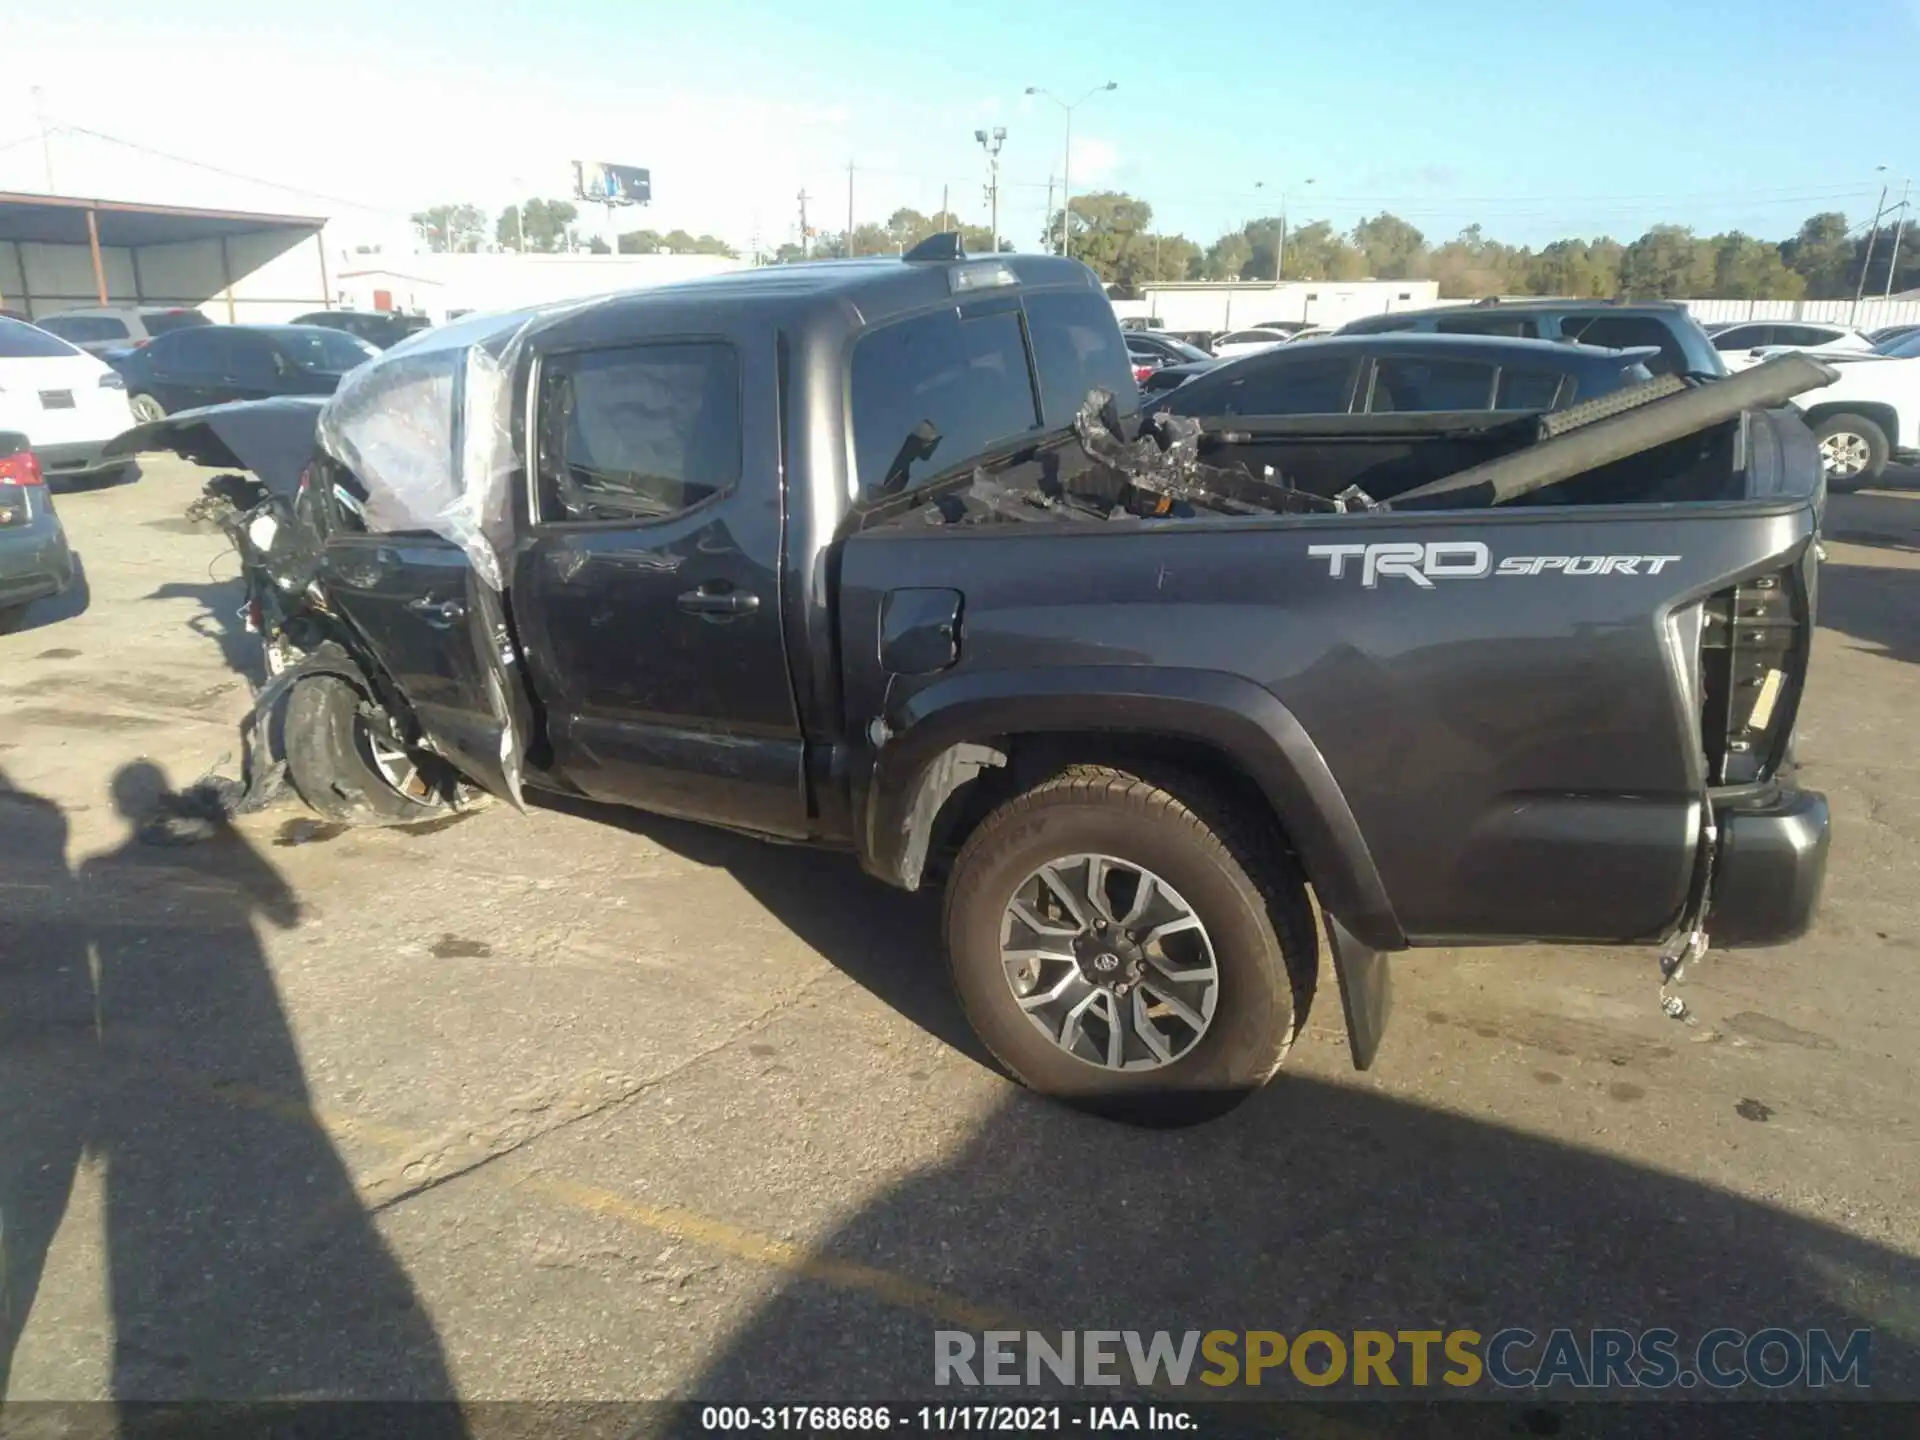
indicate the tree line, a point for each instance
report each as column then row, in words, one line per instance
column 1824, row 259
column 1113, row 232
column 545, row 227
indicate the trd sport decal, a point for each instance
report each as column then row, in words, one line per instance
column 1469, row 560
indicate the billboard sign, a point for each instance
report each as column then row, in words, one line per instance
column 612, row 184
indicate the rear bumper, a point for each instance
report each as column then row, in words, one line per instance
column 34, row 563
column 82, row 457
column 1769, row 869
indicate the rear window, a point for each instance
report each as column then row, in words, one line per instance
column 29, row 342
column 85, row 329
column 965, row 377
column 1411, row 384
column 161, row 322
column 1076, row 347
column 1628, row 332
column 322, row 349
column 642, row 432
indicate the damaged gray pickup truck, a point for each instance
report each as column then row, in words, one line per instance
column 879, row 555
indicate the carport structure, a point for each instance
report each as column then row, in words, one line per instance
column 61, row 252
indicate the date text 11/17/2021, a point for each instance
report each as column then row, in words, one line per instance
column 945, row 1419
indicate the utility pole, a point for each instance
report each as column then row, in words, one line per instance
column 1049, row 220
column 1867, row 264
column 46, row 143
column 1899, row 228
column 849, row 209
column 944, row 213
column 806, row 246
column 991, row 143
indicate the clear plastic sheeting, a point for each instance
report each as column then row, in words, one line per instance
column 427, row 428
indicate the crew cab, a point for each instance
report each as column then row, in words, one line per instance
column 879, row 555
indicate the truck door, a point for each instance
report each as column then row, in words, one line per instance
column 443, row 637
column 646, row 583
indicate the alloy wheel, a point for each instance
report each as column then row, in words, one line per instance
column 1109, row 962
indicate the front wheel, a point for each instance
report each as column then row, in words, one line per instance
column 1853, row 449
column 344, row 762
column 1143, row 948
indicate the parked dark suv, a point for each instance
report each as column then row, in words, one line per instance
column 1378, row 374
column 1684, row 347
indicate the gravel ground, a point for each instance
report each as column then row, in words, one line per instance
column 581, row 1104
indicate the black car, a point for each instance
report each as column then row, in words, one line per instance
column 216, row 364
column 380, row 328
column 1150, row 352
column 1378, row 374
column 1684, row 347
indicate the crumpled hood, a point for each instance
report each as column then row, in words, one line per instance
column 272, row 439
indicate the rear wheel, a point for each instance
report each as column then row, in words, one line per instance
column 1139, row 947
column 1853, row 449
column 146, row 409
column 346, row 765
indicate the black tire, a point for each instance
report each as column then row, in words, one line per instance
column 1874, row 439
column 1231, row 866
column 12, row 617
column 146, row 409
column 324, row 737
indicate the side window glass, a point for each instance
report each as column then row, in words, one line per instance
column 1408, row 384
column 640, row 433
column 1527, row 389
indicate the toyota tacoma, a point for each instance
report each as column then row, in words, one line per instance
column 879, row 555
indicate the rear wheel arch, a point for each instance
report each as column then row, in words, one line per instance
column 964, row 753
column 1880, row 413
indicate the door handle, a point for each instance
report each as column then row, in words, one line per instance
column 438, row 613
column 715, row 600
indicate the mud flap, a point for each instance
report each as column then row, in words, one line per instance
column 1366, row 992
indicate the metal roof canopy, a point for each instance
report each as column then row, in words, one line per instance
column 129, row 225
column 62, row 220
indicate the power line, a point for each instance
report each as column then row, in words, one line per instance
column 231, row 174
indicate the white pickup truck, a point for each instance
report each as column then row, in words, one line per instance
column 1870, row 416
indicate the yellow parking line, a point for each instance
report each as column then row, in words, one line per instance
column 782, row 1255
column 677, row 1222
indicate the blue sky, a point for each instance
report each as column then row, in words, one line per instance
column 1535, row 120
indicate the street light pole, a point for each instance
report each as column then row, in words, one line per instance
column 991, row 143
column 1066, row 168
column 1280, row 247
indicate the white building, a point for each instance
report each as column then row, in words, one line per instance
column 1219, row 306
column 440, row 286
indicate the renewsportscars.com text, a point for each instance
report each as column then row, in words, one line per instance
column 1513, row 1358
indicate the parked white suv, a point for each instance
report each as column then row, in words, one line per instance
column 1870, row 416
column 118, row 327
column 1749, row 342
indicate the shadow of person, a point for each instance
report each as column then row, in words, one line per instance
column 241, row 1262
column 46, row 1048
column 1315, row 1206
column 219, row 620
